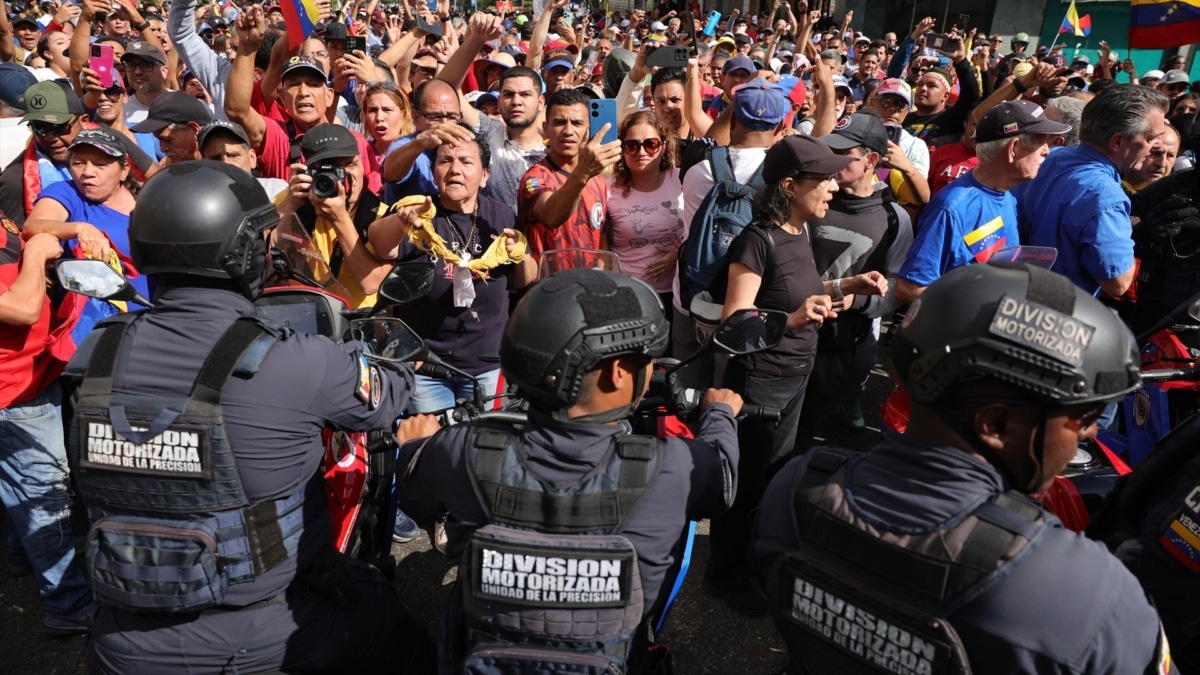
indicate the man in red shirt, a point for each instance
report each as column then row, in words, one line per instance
column 562, row 199
column 305, row 95
column 34, row 349
column 948, row 163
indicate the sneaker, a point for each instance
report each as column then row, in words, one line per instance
column 746, row 599
column 405, row 530
column 78, row 623
column 852, row 416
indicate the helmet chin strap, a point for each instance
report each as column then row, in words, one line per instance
column 1038, row 456
column 615, row 414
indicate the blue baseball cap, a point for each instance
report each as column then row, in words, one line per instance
column 739, row 63
column 14, row 80
column 759, row 105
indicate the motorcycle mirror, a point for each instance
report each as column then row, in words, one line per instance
column 96, row 279
column 747, row 331
column 408, row 281
column 1037, row 256
column 387, row 339
column 1190, row 309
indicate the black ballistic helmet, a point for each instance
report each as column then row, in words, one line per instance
column 202, row 218
column 1019, row 325
column 567, row 324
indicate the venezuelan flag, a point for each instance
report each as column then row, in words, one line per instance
column 985, row 240
column 300, row 17
column 1155, row 24
column 1074, row 24
column 1179, row 541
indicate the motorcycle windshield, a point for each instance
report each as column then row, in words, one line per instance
column 573, row 258
column 1038, row 256
column 305, row 266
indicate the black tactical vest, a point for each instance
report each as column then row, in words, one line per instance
column 861, row 600
column 172, row 527
column 551, row 585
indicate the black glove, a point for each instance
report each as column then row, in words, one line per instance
column 1165, row 220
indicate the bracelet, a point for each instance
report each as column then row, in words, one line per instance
column 142, row 26
column 837, row 290
column 1019, row 85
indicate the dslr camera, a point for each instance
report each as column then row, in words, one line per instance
column 326, row 178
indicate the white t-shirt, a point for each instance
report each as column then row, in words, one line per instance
column 643, row 221
column 13, row 137
column 698, row 182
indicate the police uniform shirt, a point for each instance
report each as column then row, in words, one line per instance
column 696, row 480
column 274, row 419
column 1068, row 607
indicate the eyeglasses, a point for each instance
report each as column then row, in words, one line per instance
column 424, row 70
column 819, row 177
column 139, row 66
column 650, row 145
column 113, row 93
column 889, row 103
column 441, row 117
column 44, row 129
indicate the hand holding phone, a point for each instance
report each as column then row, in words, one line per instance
column 714, row 18
column 356, row 43
column 603, row 111
column 101, row 61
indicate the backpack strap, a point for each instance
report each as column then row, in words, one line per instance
column 241, row 349
column 295, row 154
column 102, row 363
column 577, row 513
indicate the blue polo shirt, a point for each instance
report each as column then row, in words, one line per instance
column 1076, row 205
column 964, row 223
column 419, row 180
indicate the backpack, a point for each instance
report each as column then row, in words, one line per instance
column 726, row 210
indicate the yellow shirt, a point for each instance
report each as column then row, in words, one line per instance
column 325, row 237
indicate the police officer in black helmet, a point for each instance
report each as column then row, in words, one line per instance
column 568, row 527
column 924, row 554
column 196, row 444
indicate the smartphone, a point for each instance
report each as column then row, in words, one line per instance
column 639, row 5
column 590, row 65
column 688, row 23
column 101, row 61
column 434, row 28
column 714, row 18
column 893, row 133
column 603, row 111
column 942, row 42
column 963, row 20
column 356, row 43
column 668, row 57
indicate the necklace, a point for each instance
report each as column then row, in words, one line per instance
column 460, row 243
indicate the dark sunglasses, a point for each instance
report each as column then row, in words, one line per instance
column 431, row 72
column 651, row 145
column 45, row 129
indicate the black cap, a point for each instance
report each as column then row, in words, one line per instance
column 222, row 127
column 145, row 51
column 801, row 154
column 173, row 107
column 1013, row 118
column 104, row 140
column 298, row 63
column 858, row 130
column 335, row 31
column 327, row 141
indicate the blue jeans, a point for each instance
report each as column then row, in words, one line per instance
column 34, row 488
column 433, row 394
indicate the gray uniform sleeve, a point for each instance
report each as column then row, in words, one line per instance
column 715, row 457
column 210, row 69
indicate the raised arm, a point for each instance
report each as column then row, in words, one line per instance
column 540, row 30
column 251, row 27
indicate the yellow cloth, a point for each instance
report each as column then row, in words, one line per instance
column 426, row 238
column 325, row 237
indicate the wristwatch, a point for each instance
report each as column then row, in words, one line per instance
column 837, row 290
column 1019, row 85
column 142, row 26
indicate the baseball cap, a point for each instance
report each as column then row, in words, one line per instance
column 336, row 30
column 793, row 88
column 759, row 105
column 327, row 141
column 896, row 87
column 478, row 98
column 742, row 39
column 14, row 80
column 222, row 127
column 1020, row 38
column 559, row 58
column 1055, row 60
column 858, row 130
column 51, row 101
column 658, row 25
column 556, row 45
column 145, row 51
column 300, row 63
column 726, row 40
column 18, row 20
column 801, row 154
column 840, row 82
column 1152, row 75
column 1174, row 77
column 102, row 139
column 1013, row 118
column 173, row 107
column 378, row 16
column 738, row 63
column 1080, row 59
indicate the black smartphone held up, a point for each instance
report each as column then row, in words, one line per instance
column 942, row 42
column 893, row 133
column 688, row 23
column 434, row 28
column 356, row 43
column 639, row 5
column 963, row 22
column 668, row 57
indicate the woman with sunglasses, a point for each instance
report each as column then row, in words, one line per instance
column 645, row 203
column 771, row 266
column 109, row 104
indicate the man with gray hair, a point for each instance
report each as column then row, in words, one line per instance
column 1068, row 110
column 975, row 216
column 1077, row 205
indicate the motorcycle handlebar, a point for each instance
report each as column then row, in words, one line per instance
column 762, row 412
column 436, row 371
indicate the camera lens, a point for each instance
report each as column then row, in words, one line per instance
column 324, row 185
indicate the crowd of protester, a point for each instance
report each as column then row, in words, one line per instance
column 880, row 164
